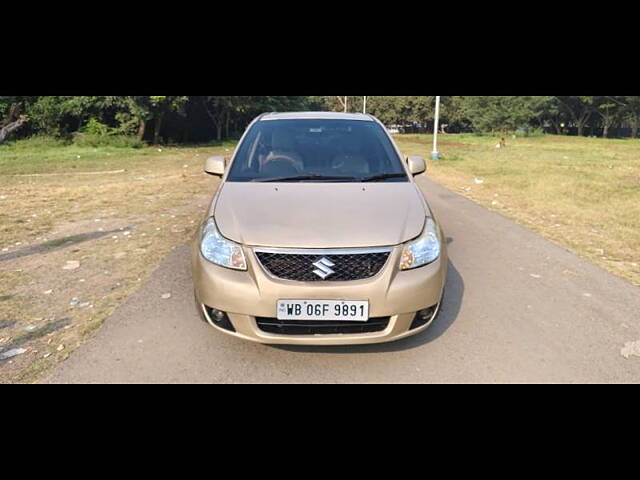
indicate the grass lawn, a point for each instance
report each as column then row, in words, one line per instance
column 582, row 193
column 119, row 211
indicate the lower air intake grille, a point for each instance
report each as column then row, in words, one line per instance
column 302, row 327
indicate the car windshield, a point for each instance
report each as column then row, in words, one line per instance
column 317, row 150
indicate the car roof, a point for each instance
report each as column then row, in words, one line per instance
column 316, row 116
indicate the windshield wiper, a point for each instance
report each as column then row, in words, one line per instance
column 302, row 178
column 383, row 176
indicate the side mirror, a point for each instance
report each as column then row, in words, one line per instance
column 417, row 165
column 215, row 166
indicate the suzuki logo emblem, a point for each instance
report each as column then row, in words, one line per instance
column 324, row 268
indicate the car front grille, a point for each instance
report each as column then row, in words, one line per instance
column 303, row 327
column 335, row 266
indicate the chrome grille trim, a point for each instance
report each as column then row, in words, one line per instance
column 323, row 251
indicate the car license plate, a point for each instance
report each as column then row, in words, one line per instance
column 323, row 310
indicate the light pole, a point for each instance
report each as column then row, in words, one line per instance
column 435, row 155
column 364, row 107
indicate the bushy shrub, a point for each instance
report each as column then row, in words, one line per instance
column 95, row 127
column 533, row 132
column 97, row 134
column 97, row 140
column 51, row 116
column 127, row 124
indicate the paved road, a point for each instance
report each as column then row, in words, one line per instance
column 518, row 309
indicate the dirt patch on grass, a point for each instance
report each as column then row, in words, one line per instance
column 73, row 248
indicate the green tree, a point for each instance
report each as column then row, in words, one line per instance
column 162, row 105
column 61, row 115
column 53, row 115
column 630, row 111
column 418, row 109
column 499, row 113
column 226, row 112
column 452, row 113
column 548, row 109
column 219, row 109
column 578, row 109
column 136, row 110
column 390, row 110
column 609, row 110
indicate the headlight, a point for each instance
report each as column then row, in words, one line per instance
column 423, row 250
column 219, row 250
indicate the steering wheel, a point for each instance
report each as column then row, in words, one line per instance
column 283, row 159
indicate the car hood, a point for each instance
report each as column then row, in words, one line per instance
column 320, row 215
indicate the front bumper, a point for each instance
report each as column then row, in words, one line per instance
column 252, row 294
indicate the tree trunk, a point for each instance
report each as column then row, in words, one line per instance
column 226, row 127
column 142, row 129
column 156, row 133
column 216, row 119
column 634, row 126
column 580, row 126
column 11, row 127
column 605, row 130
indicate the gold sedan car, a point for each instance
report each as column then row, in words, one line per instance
column 319, row 234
